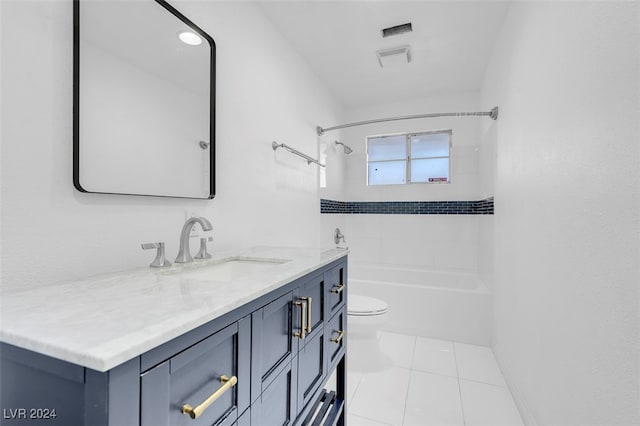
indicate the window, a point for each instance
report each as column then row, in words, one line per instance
column 409, row 158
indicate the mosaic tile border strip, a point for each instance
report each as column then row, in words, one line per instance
column 407, row 207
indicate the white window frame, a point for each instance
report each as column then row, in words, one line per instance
column 408, row 159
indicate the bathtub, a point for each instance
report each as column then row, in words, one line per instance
column 445, row 305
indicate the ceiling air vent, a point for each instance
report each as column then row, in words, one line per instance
column 394, row 55
column 396, row 30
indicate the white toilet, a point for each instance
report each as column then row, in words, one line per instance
column 366, row 316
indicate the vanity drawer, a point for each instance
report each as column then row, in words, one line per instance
column 312, row 368
column 336, row 279
column 336, row 337
column 191, row 377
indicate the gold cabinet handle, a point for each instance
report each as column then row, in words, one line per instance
column 337, row 289
column 308, row 299
column 194, row 413
column 339, row 338
column 303, row 316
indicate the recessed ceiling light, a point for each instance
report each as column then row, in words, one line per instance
column 190, row 38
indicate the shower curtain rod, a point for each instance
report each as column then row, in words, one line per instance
column 493, row 114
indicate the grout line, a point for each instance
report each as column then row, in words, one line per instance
column 435, row 374
column 355, row 392
column 413, row 352
column 464, row 420
column 369, row 418
column 482, row 383
column 406, row 396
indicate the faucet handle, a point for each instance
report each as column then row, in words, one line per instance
column 203, row 254
column 160, row 261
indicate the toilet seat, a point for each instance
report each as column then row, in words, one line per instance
column 365, row 306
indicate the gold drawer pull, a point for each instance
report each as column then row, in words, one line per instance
column 194, row 413
column 339, row 338
column 303, row 316
column 337, row 289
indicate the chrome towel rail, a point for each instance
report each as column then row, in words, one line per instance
column 493, row 114
column 276, row 145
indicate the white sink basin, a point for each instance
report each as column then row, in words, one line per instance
column 229, row 269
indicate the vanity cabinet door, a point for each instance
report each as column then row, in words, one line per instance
column 194, row 375
column 336, row 288
column 312, row 367
column 276, row 406
column 273, row 342
column 312, row 363
column 335, row 337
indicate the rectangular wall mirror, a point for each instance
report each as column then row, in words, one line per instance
column 144, row 101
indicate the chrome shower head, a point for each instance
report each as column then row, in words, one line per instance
column 347, row 150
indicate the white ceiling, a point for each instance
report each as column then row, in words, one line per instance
column 451, row 43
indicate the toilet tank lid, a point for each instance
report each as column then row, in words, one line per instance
column 364, row 305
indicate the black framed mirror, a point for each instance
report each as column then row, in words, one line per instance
column 143, row 100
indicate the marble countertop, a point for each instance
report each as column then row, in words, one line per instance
column 102, row 321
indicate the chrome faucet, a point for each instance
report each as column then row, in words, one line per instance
column 184, row 255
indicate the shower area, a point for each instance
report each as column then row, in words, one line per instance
column 424, row 248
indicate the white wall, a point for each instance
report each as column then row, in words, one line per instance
column 332, row 186
column 265, row 92
column 565, row 76
column 426, row 241
column 486, row 180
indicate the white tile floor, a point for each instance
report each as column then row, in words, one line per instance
column 428, row 382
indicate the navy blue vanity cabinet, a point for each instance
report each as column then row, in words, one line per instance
column 335, row 337
column 53, row 385
column 276, row 406
column 312, row 291
column 244, row 420
column 324, row 352
column 312, row 362
column 40, row 390
column 336, row 294
column 288, row 359
column 266, row 362
column 292, row 351
column 273, row 348
column 220, row 363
